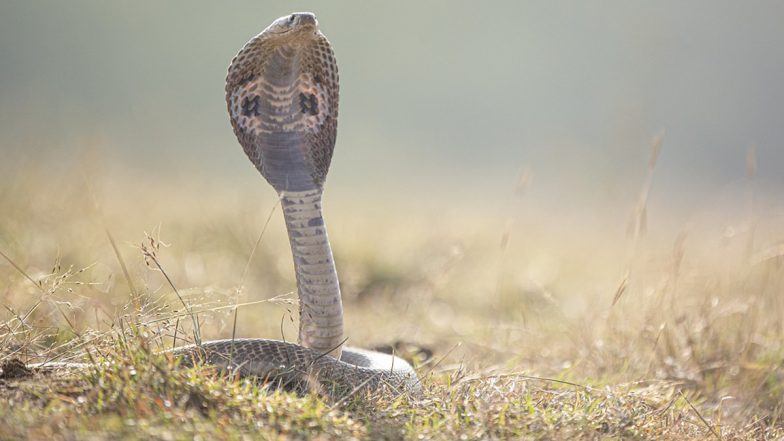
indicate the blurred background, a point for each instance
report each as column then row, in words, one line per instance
column 445, row 96
column 513, row 137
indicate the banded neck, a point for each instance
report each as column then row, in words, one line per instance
column 320, row 304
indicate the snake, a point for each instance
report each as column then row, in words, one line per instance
column 282, row 92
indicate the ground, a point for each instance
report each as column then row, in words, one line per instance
column 518, row 329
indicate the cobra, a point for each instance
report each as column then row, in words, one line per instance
column 282, row 92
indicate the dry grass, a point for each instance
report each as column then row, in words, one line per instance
column 536, row 333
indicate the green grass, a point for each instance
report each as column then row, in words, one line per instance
column 519, row 316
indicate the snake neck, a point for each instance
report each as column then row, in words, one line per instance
column 320, row 306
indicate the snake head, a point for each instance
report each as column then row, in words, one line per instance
column 282, row 96
column 298, row 25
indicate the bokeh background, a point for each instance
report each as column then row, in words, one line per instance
column 442, row 96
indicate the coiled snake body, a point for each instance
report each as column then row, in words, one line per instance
column 282, row 98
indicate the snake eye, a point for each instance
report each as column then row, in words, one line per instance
column 291, row 19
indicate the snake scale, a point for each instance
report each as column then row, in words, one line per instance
column 282, row 97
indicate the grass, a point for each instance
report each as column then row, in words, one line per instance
column 536, row 330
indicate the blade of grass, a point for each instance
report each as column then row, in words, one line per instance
column 704, row 421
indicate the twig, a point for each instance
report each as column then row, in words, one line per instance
column 120, row 260
column 704, row 421
column 43, row 291
column 638, row 223
column 217, row 308
column 21, row 271
column 245, row 273
column 126, row 273
column 196, row 332
column 353, row 392
column 528, row 377
column 435, row 365
column 255, row 246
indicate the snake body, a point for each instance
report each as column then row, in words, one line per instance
column 282, row 97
